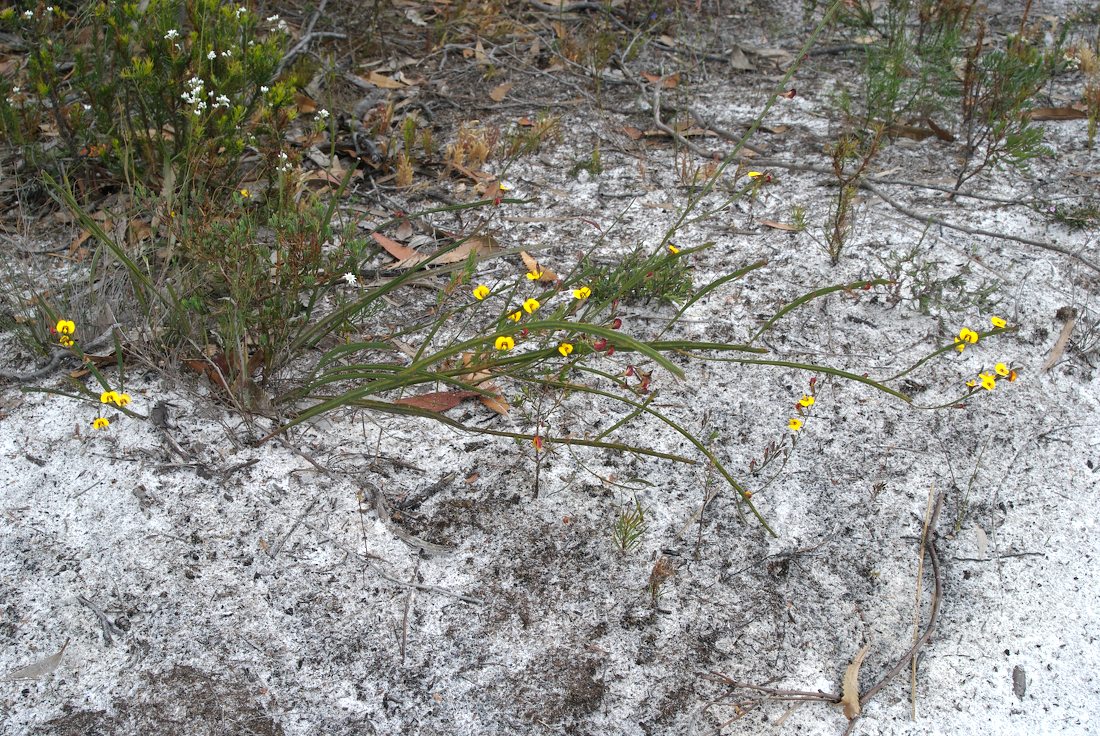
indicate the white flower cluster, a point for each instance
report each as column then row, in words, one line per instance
column 194, row 96
column 241, row 11
column 280, row 24
column 172, row 34
column 284, row 166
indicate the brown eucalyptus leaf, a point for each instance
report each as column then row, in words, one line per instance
column 533, row 266
column 397, row 250
column 481, row 246
column 437, row 401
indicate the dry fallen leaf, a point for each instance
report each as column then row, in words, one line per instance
column 382, row 81
column 38, row 670
column 306, row 104
column 668, row 82
column 480, row 246
column 780, row 226
column 533, row 266
column 500, row 92
column 395, row 249
column 1058, row 113
column 850, row 686
column 633, row 133
column 438, row 401
column 1060, row 344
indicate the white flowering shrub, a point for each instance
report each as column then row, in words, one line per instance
column 177, row 89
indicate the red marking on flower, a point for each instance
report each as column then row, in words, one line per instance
column 522, row 333
column 600, row 344
column 611, row 351
column 629, row 370
column 813, row 380
column 616, row 323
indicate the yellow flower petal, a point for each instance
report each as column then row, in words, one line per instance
column 673, row 249
column 504, row 343
column 108, row 397
column 122, row 399
column 481, row 292
column 534, row 275
column 988, row 381
column 1001, row 369
column 516, row 316
column 755, row 175
column 997, row 322
column 565, row 349
column 531, row 305
column 795, row 424
column 100, row 423
column 806, row 401
column 582, row 293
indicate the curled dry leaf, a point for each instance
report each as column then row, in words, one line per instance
column 849, row 699
column 533, row 266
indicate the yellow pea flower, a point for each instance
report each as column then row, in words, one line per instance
column 65, row 341
column 565, row 349
column 65, row 327
column 755, row 175
column 1001, row 370
column 806, row 401
column 481, row 292
column 108, row 397
column 516, row 316
column 988, row 381
column 795, row 424
column 673, row 249
column 966, row 337
column 972, row 383
column 122, row 399
column 100, row 423
column 531, row 305
column 504, row 344
column 534, row 275
column 582, row 293
column 997, row 322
